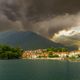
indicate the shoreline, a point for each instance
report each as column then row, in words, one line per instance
column 58, row 59
column 53, row 59
column 44, row 58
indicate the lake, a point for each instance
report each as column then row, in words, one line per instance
column 39, row 70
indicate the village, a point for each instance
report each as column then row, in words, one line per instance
column 44, row 54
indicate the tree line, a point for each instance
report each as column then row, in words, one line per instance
column 7, row 52
column 57, row 49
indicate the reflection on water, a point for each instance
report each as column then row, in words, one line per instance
column 39, row 70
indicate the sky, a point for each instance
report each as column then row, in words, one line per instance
column 49, row 18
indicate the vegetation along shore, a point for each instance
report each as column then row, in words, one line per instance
column 7, row 52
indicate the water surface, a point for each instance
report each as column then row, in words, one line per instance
column 39, row 70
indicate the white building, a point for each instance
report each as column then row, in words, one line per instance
column 74, row 53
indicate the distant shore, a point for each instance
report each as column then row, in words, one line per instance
column 58, row 59
column 44, row 58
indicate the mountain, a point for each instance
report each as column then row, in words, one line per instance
column 26, row 40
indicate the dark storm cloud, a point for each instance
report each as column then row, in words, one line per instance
column 42, row 16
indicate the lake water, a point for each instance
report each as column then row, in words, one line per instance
column 39, row 70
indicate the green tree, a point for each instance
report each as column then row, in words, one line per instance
column 7, row 52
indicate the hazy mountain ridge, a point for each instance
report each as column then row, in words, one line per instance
column 26, row 40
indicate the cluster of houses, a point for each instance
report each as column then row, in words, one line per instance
column 43, row 53
column 34, row 53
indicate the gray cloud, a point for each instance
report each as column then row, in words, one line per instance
column 42, row 16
